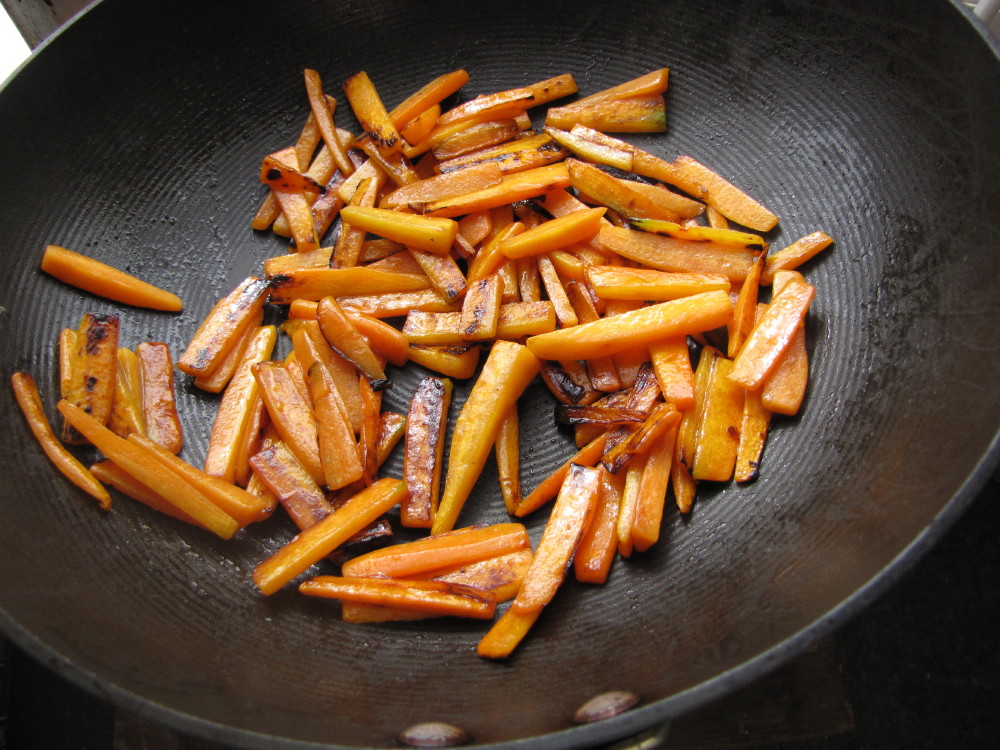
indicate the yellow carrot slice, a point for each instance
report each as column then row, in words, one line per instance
column 453, row 361
column 513, row 187
column 620, row 282
column 507, row 371
column 317, row 283
column 481, row 309
column 126, row 408
column 718, row 435
column 321, row 106
column 678, row 256
column 147, row 469
column 106, row 281
column 696, row 179
column 90, row 376
column 753, row 434
column 557, row 233
column 699, row 312
column 28, row 399
column 433, row 234
column 371, row 112
column 312, row 545
column 671, row 361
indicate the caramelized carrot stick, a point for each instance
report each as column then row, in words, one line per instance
column 422, row 460
column 149, row 470
column 283, row 474
column 112, row 474
column 506, row 633
column 26, row 393
column 597, row 548
column 106, row 281
column 430, row 597
column 93, row 369
column 506, row 373
column 445, row 550
column 291, row 415
column 548, row 488
column 338, row 451
column 318, row 541
column 159, row 406
column 571, row 514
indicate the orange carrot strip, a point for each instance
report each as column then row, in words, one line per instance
column 793, row 256
column 282, row 473
column 126, row 407
column 159, row 406
column 753, row 435
column 432, row 597
column 444, row 550
column 232, row 418
column 785, row 388
column 433, row 234
column 371, row 112
column 391, row 429
column 422, row 460
column 311, row 346
column 290, row 414
column 698, row 180
column 678, row 256
column 548, row 488
column 652, row 493
column 317, row 283
column 321, row 106
column 508, row 458
column 432, row 93
column 385, row 340
column 455, row 362
column 338, row 329
column 338, row 451
column 443, row 272
column 773, row 334
column 597, row 548
column 507, row 371
column 112, row 474
column 216, row 381
column 512, row 188
column 573, row 509
column 232, row 500
column 26, row 393
column 506, row 633
column 718, row 430
column 223, row 326
column 91, row 374
column 149, row 470
column 630, row 501
column 106, row 281
column 481, row 309
column 318, row 541
column 672, row 364
column 448, row 185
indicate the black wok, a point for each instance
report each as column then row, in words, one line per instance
column 136, row 135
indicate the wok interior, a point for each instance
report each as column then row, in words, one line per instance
column 137, row 137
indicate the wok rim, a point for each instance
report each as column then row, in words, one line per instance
column 629, row 724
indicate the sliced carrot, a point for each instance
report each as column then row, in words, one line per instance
column 91, row 373
column 718, row 433
column 683, row 485
column 678, row 256
column 554, row 234
column 159, row 405
column 290, row 414
column 638, row 442
column 630, row 502
column 513, row 187
column 427, row 96
column 573, row 509
column 447, row 185
column 112, row 474
column 696, row 179
column 426, row 423
column 507, row 371
column 106, row 281
column 312, row 545
column 443, row 273
column 351, row 239
column 489, row 259
column 506, row 633
column 773, row 334
column 283, row 474
column 548, row 488
column 233, row 416
column 223, row 326
column 338, row 451
column 432, row 597
column 620, row 282
column 794, row 255
column 694, row 314
column 28, row 399
column 753, row 435
column 516, row 155
column 556, row 292
column 652, row 493
column 634, row 114
column 481, row 309
column 597, row 548
column 232, row 500
column 149, row 470
column 317, row 283
column 433, row 234
column 216, row 381
column 455, row 362
column 311, row 346
column 437, row 551
column 371, row 112
column 338, row 329
column 508, row 458
column 618, row 195
column 126, row 407
column 321, row 108
column 785, row 388
column 391, row 429
column 671, row 361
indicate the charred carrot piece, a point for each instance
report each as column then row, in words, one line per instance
column 321, row 108
column 391, row 429
column 634, row 114
column 317, row 283
column 28, row 399
column 233, row 416
column 351, row 240
column 216, row 381
column 445, row 550
column 148, row 469
column 311, row 346
column 159, row 406
column 283, row 474
column 571, row 514
column 507, row 371
column 785, row 388
column 424, row 451
column 106, row 281
column 312, row 545
column 513, row 187
column 718, row 435
column 679, row 256
column 371, row 112
column 384, row 339
column 223, row 326
column 654, row 82
column 371, row 408
column 772, row 335
column 481, row 309
column 754, row 428
column 661, row 419
column 397, row 304
column 91, row 376
column 443, row 273
column 431, row 597
column 598, row 545
column 290, row 414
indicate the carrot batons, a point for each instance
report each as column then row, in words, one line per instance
column 88, row 376
column 106, row 281
column 424, row 449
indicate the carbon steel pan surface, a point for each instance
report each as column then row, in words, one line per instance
column 135, row 136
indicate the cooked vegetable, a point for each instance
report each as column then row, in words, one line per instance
column 88, row 377
column 422, row 459
column 106, row 281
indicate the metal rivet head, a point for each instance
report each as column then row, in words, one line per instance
column 604, row 706
column 433, row 734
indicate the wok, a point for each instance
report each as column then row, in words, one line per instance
column 135, row 136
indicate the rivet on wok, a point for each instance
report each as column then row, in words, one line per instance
column 433, row 734
column 604, row 706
